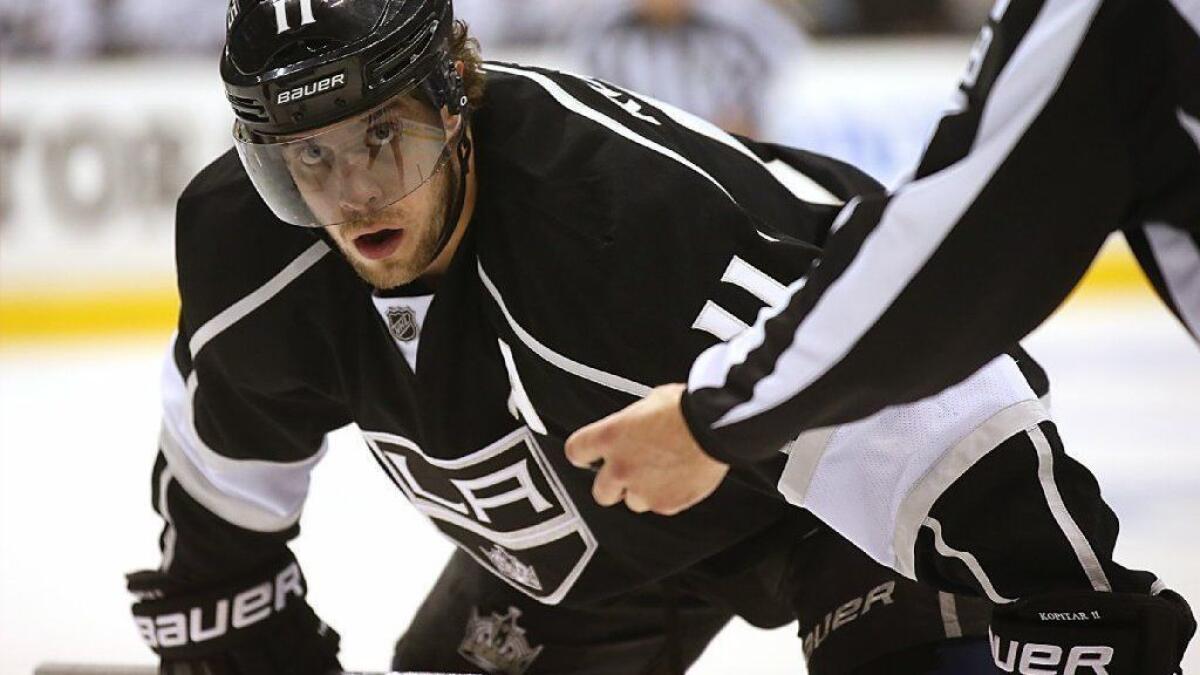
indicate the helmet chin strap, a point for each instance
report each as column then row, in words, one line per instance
column 463, row 151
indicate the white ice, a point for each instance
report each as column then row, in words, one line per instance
column 77, row 438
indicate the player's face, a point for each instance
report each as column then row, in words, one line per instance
column 393, row 246
column 351, row 174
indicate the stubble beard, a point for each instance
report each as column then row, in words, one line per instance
column 387, row 274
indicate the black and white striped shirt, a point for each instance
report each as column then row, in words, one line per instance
column 718, row 62
column 1077, row 118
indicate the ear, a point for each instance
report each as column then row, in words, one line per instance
column 460, row 67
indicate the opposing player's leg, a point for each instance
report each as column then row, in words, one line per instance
column 473, row 622
column 859, row 617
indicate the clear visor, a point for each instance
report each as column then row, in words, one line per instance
column 350, row 169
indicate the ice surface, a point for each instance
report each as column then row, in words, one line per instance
column 77, row 438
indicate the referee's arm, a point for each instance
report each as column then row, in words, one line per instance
column 1014, row 196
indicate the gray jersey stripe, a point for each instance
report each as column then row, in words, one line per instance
column 242, row 308
column 1070, row 529
column 558, row 360
column 1178, row 260
column 575, row 105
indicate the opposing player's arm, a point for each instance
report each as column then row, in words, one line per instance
column 966, row 481
column 918, row 289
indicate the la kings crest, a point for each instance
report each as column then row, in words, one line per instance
column 497, row 644
column 503, row 505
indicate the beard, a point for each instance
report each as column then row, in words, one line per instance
column 390, row 273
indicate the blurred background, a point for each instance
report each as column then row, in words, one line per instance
column 108, row 107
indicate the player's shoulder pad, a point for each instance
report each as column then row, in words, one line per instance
column 584, row 155
column 843, row 180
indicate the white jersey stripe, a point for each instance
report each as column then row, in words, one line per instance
column 1079, row 543
column 240, row 309
column 575, row 105
column 1191, row 125
column 718, row 322
column 949, row 610
column 999, row 9
column 1190, row 9
column 558, row 360
column 258, row 495
column 803, row 187
column 916, row 504
column 755, row 282
column 800, row 185
column 170, row 535
column 914, row 224
column 1179, row 263
column 900, row 461
column 703, row 375
column 1177, row 254
column 1158, row 586
column 229, row 507
column 255, row 494
column 518, row 397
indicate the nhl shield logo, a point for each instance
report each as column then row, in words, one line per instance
column 402, row 323
column 497, row 644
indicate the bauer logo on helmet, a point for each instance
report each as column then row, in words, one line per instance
column 321, row 86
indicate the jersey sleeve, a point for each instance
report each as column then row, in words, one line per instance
column 969, row 490
column 241, row 430
column 1072, row 117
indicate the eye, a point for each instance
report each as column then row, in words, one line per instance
column 313, row 154
column 381, row 133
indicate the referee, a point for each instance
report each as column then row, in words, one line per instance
column 1075, row 118
column 713, row 58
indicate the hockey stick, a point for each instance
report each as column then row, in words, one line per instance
column 84, row 669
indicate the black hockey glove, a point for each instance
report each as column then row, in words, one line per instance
column 1092, row 633
column 257, row 625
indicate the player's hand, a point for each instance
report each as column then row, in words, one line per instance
column 1113, row 633
column 650, row 459
column 257, row 624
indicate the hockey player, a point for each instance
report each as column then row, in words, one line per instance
column 471, row 276
column 1074, row 119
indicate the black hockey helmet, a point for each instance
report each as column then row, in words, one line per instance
column 317, row 82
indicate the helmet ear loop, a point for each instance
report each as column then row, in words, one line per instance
column 463, row 152
column 456, row 96
column 457, row 103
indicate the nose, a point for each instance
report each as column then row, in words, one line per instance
column 359, row 192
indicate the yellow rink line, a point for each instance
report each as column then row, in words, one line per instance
column 1115, row 272
column 30, row 316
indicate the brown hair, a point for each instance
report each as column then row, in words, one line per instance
column 465, row 48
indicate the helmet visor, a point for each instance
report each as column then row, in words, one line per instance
column 350, row 169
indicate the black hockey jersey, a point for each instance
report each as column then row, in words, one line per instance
column 613, row 240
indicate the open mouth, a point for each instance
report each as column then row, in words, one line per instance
column 377, row 245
